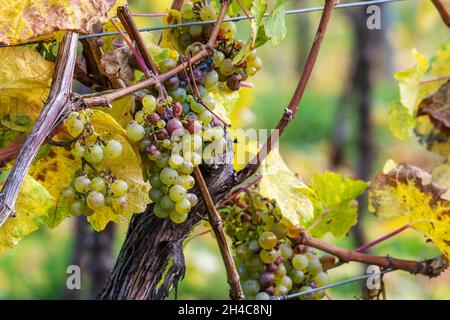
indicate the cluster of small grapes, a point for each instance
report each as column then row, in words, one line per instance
column 268, row 259
column 175, row 135
column 190, row 39
column 90, row 192
column 88, row 145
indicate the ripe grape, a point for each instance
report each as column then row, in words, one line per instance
column 155, row 181
column 68, row 193
column 77, row 208
column 183, row 206
column 226, row 67
column 187, row 11
column 211, row 79
column 140, row 117
column 192, row 199
column 262, row 296
column 78, row 150
column 178, row 94
column 268, row 256
column 160, row 212
column 148, row 104
column 218, row 57
column 205, row 117
column 297, row 276
column 322, row 279
column 94, row 154
column 155, row 194
column 186, row 168
column 177, row 218
column 208, row 13
column 314, row 266
column 81, row 184
column 266, row 279
column 97, row 184
column 167, row 203
column 173, row 124
column 135, row 131
column 167, row 65
column 75, row 126
column 177, row 193
column 168, row 176
column 300, row 262
column 119, row 188
column 113, row 149
column 250, row 287
column 267, row 240
column 119, row 203
column 188, row 181
column 95, row 200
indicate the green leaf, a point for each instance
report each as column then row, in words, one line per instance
column 400, row 120
column 259, row 8
column 32, row 205
column 275, row 25
column 279, row 183
column 335, row 207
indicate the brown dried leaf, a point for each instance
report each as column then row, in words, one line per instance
column 117, row 64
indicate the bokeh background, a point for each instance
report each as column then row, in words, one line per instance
column 345, row 104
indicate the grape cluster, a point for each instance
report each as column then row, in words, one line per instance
column 269, row 260
column 89, row 192
column 191, row 38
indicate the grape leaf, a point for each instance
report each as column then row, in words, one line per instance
column 225, row 101
column 116, row 64
column 279, row 183
column 408, row 191
column 42, row 18
column 33, row 202
column 25, row 79
column 335, row 208
column 275, row 25
column 258, row 9
column 121, row 110
column 400, row 120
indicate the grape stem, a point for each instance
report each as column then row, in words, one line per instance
column 215, row 221
column 383, row 238
column 58, row 104
column 430, row 268
column 233, row 195
column 443, row 11
column 291, row 111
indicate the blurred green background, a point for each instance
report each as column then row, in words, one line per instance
column 36, row 269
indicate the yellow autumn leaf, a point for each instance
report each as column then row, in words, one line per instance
column 409, row 192
column 127, row 167
column 25, row 79
column 32, row 205
column 121, row 110
column 279, row 183
column 21, row 21
column 225, row 101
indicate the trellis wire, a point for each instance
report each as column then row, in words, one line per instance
column 234, row 19
column 337, row 284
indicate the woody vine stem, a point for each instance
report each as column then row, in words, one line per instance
column 61, row 101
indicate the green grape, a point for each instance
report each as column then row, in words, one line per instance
column 253, row 246
column 155, row 194
column 268, row 256
column 256, row 62
column 187, row 11
column 113, row 149
column 262, row 296
column 196, row 107
column 297, row 276
column 196, row 158
column 95, row 200
column 226, row 67
column 178, row 218
column 250, row 287
column 175, row 161
column 192, row 199
column 322, row 279
column 178, row 94
column 208, row 13
column 148, row 104
column 119, row 188
column 208, row 134
column 168, row 176
column 314, row 266
column 75, row 126
column 286, row 251
column 162, row 161
column 94, row 154
column 251, row 71
column 205, row 117
column 287, row 282
column 78, row 150
column 167, row 203
column 218, row 133
column 155, row 181
column 68, row 193
column 183, row 206
column 281, row 290
column 135, row 131
column 177, row 193
column 280, row 271
column 118, row 203
column 140, row 117
column 81, row 184
column 186, row 168
column 166, row 143
column 308, row 296
column 300, row 262
column 161, row 124
column 211, row 79
column 319, row 294
column 188, row 181
column 98, row 184
column 242, row 252
column 218, row 57
column 197, row 141
column 196, row 30
column 77, row 208
column 167, row 65
column 267, row 240
column 160, row 212
column 108, row 201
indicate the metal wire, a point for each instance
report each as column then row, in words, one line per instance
column 234, row 19
column 337, row 284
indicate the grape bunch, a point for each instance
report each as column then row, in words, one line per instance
column 269, row 260
column 90, row 192
column 174, row 135
column 225, row 69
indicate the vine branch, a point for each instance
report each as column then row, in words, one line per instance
column 215, row 221
column 291, row 110
column 57, row 103
column 443, row 11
